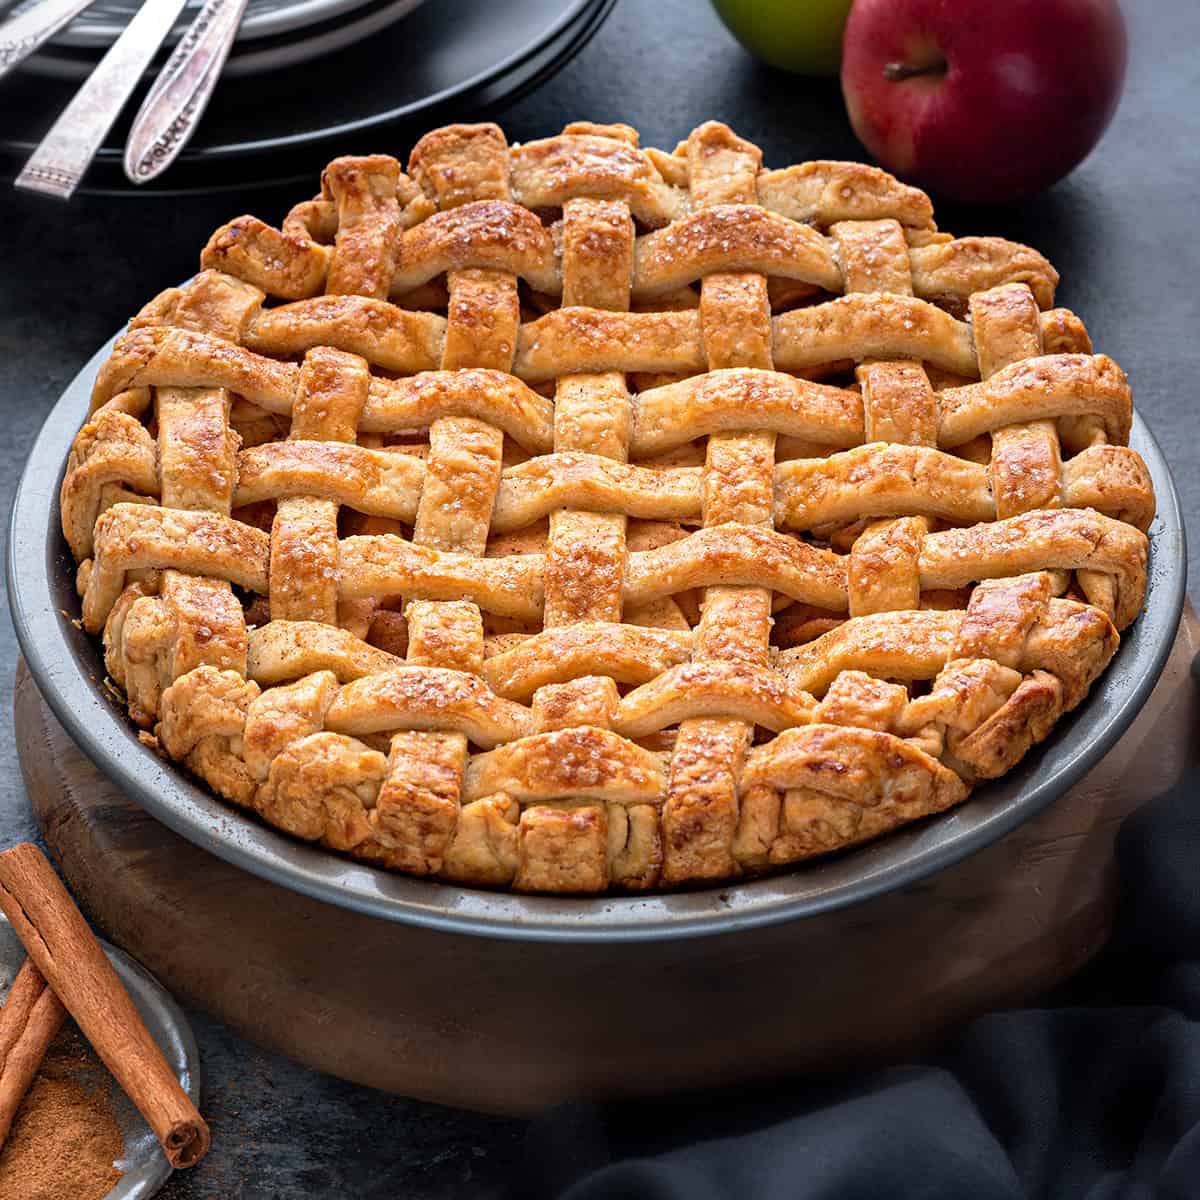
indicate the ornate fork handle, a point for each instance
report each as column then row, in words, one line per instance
column 174, row 105
column 23, row 34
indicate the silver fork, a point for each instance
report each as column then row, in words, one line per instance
column 59, row 162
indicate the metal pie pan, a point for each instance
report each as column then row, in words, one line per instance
column 143, row 1164
column 69, row 670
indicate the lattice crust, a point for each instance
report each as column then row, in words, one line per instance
column 575, row 516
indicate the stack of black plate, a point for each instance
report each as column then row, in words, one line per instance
column 308, row 79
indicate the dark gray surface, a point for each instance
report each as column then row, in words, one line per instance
column 1120, row 230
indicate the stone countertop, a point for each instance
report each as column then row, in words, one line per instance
column 1120, row 230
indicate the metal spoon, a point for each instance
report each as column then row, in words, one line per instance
column 176, row 102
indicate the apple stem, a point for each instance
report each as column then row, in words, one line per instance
column 896, row 71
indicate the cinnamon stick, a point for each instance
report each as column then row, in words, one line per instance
column 30, row 1018
column 67, row 954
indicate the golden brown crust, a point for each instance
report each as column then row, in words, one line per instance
column 511, row 519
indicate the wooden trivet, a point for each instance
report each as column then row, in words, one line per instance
column 512, row 1026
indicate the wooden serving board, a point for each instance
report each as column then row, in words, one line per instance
column 511, row 1026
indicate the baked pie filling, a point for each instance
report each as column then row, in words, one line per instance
column 574, row 516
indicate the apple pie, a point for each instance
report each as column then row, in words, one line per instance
column 574, row 516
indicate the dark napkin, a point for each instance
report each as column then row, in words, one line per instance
column 1094, row 1094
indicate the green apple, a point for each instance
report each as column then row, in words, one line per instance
column 795, row 35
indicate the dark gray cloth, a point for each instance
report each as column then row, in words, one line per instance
column 1095, row 1094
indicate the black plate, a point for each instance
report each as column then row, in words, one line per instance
column 448, row 59
column 68, row 668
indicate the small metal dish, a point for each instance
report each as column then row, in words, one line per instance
column 69, row 670
column 144, row 1165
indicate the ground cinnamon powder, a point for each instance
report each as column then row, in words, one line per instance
column 65, row 1140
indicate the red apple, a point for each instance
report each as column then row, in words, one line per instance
column 982, row 100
